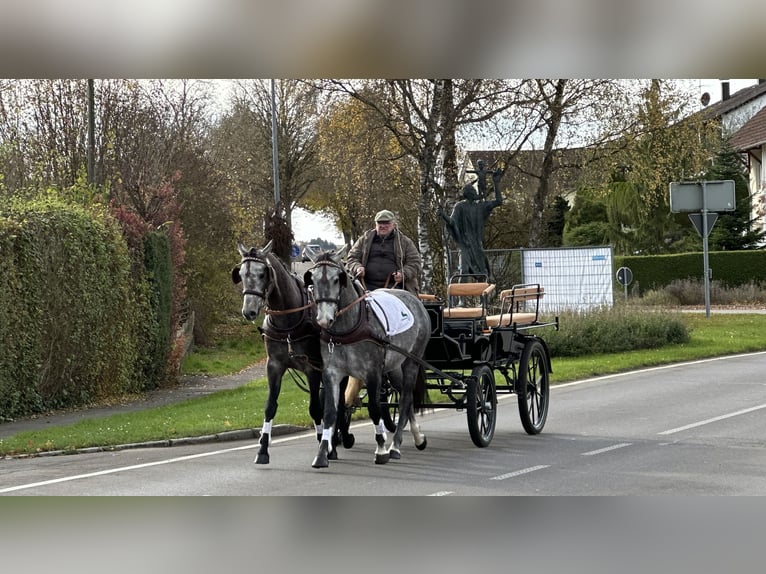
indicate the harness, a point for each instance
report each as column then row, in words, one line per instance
column 362, row 329
column 302, row 329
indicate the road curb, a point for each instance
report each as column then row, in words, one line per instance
column 226, row 436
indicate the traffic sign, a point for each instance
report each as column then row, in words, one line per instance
column 697, row 222
column 295, row 251
column 624, row 276
column 687, row 196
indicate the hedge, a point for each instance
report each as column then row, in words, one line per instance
column 73, row 316
column 730, row 268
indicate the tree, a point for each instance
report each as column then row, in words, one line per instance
column 736, row 229
column 569, row 126
column 665, row 144
column 249, row 154
column 363, row 170
column 424, row 116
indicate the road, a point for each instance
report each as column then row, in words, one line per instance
column 692, row 429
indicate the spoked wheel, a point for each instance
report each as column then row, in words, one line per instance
column 533, row 387
column 390, row 412
column 481, row 405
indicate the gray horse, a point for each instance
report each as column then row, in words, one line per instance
column 355, row 342
column 292, row 338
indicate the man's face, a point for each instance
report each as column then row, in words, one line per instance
column 383, row 228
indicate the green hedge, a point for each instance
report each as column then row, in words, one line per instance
column 730, row 268
column 72, row 315
column 159, row 273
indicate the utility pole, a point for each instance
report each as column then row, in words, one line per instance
column 91, row 135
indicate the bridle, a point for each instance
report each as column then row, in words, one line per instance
column 270, row 280
column 334, row 300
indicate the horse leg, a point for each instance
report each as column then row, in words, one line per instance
column 344, row 419
column 405, row 401
column 382, row 455
column 316, row 407
column 275, row 385
column 414, row 373
column 331, row 397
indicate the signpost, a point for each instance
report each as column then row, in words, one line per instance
column 702, row 200
column 624, row 277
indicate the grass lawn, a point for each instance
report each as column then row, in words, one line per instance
column 721, row 334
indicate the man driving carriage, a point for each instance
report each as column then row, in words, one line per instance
column 383, row 257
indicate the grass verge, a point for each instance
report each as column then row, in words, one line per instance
column 241, row 408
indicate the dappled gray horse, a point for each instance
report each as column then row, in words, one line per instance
column 356, row 342
column 291, row 337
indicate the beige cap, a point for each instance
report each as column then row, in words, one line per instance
column 384, row 215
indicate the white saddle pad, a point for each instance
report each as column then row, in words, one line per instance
column 391, row 312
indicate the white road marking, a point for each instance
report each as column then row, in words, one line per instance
column 520, row 472
column 442, row 493
column 651, row 369
column 713, row 420
column 607, row 449
column 147, row 464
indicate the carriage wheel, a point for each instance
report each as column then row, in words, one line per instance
column 390, row 413
column 481, row 405
column 533, row 387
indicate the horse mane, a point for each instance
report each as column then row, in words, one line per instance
column 325, row 256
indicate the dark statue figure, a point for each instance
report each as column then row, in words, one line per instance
column 466, row 224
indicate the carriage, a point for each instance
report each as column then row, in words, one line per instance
column 323, row 327
column 471, row 341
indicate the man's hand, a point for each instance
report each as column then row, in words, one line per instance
column 398, row 277
column 360, row 271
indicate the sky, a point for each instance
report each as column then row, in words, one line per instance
column 308, row 226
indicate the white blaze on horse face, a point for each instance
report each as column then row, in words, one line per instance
column 254, row 277
column 327, row 294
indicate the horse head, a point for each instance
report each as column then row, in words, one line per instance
column 256, row 275
column 328, row 278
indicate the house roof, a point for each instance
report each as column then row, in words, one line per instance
column 736, row 100
column 752, row 134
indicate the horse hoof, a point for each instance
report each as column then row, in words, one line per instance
column 348, row 441
column 395, row 454
column 333, row 455
column 320, row 462
column 422, row 445
column 262, row 459
column 382, row 458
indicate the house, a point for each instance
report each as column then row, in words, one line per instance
column 743, row 119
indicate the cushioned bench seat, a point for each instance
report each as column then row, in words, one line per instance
column 476, row 289
column 510, row 306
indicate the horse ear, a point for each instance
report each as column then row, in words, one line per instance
column 343, row 279
column 309, row 255
column 235, row 275
column 267, row 249
column 307, row 278
column 340, row 254
column 242, row 249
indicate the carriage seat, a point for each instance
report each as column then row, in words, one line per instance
column 514, row 306
column 479, row 289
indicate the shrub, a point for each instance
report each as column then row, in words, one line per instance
column 613, row 330
column 687, row 292
column 68, row 310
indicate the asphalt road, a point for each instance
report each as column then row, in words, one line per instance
column 692, row 429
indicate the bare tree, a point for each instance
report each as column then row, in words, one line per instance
column 424, row 116
column 249, row 154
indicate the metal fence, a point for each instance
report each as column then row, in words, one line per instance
column 574, row 278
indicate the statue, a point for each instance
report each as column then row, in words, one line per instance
column 466, row 224
column 481, row 178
